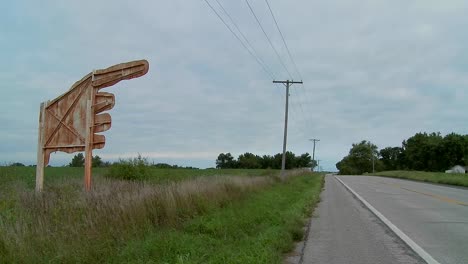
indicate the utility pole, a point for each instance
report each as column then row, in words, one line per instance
column 286, row 83
column 313, row 153
column 318, row 165
column 373, row 163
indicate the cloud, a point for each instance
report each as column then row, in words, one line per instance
column 374, row 70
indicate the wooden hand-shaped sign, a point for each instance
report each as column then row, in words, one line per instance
column 69, row 122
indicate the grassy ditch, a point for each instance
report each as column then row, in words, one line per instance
column 258, row 229
column 109, row 224
column 458, row 179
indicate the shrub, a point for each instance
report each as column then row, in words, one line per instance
column 130, row 169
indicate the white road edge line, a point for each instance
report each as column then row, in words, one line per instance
column 421, row 252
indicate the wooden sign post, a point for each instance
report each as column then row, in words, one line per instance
column 69, row 123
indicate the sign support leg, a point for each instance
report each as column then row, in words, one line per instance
column 88, row 146
column 40, row 151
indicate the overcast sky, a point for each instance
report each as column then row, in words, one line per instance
column 372, row 70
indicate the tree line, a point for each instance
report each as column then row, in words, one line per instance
column 423, row 152
column 78, row 161
column 252, row 161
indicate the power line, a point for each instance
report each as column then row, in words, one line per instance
column 274, row 49
column 247, row 44
column 254, row 53
column 268, row 38
column 245, row 38
column 292, row 60
column 289, row 53
column 253, row 49
column 242, row 43
column 300, row 105
column 284, row 41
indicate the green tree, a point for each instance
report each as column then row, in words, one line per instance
column 360, row 159
column 225, row 161
column 248, row 161
column 17, row 164
column 422, row 152
column 304, row 161
column 291, row 161
column 251, row 161
column 392, row 158
column 77, row 160
column 267, row 162
column 453, row 151
column 313, row 164
column 97, row 161
column 277, row 159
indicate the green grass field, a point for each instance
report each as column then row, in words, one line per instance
column 26, row 175
column 176, row 216
column 434, row 177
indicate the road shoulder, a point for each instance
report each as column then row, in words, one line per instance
column 342, row 230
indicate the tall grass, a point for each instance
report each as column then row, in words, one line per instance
column 458, row 179
column 257, row 229
column 26, row 175
column 65, row 224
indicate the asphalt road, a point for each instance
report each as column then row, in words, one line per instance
column 435, row 217
column 344, row 231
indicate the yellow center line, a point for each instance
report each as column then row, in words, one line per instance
column 442, row 198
